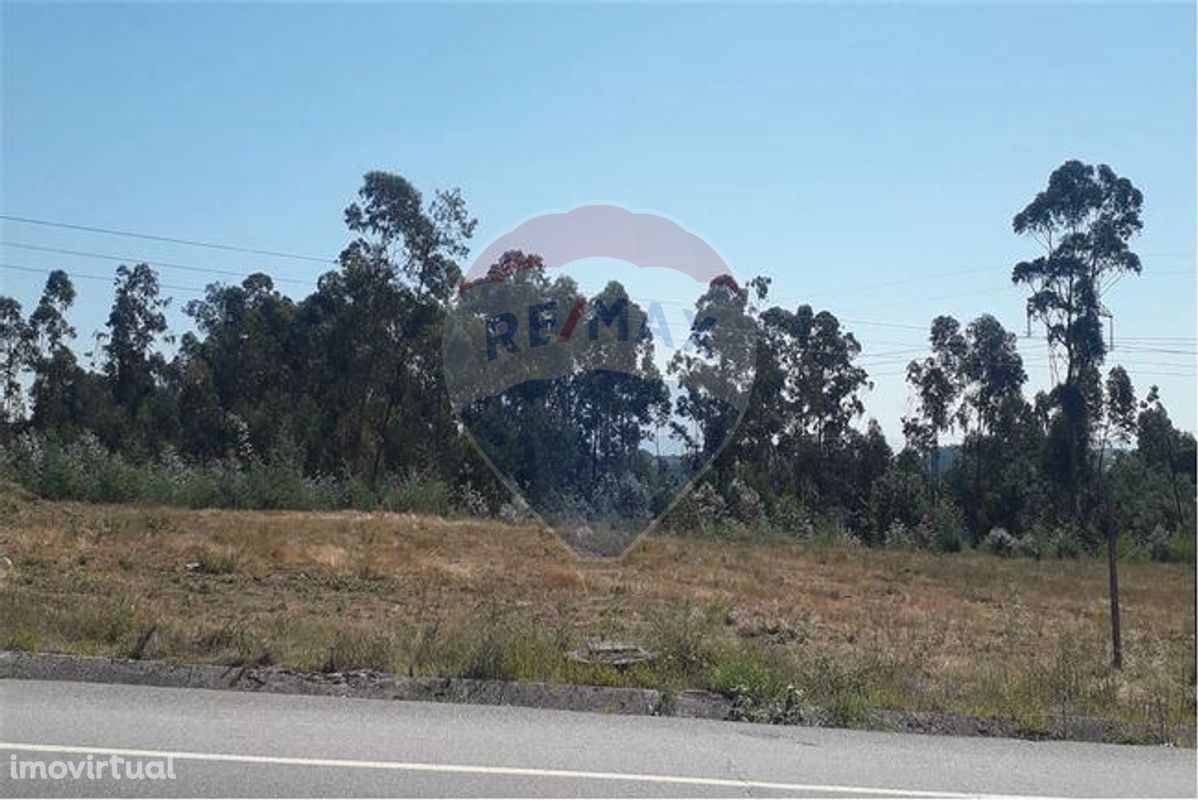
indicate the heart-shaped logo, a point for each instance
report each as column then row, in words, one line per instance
column 599, row 359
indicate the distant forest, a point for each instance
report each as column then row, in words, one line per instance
column 338, row 400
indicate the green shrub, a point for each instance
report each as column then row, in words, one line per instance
column 898, row 495
column 84, row 470
column 1129, row 550
column 830, row 528
column 1065, row 543
column 417, row 495
column 487, row 659
column 840, row 692
column 899, row 537
column 682, row 638
column 13, row 497
column 999, row 542
column 945, row 526
column 791, row 516
column 748, row 678
column 1033, row 544
column 1044, row 540
column 702, row 510
column 1181, row 549
column 359, row 495
column 217, row 562
column 360, row 649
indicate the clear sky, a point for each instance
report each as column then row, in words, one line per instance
column 868, row 158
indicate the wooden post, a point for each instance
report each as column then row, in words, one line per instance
column 1113, row 569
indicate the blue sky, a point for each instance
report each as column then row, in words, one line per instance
column 868, row 158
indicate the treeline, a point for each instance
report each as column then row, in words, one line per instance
column 337, row 399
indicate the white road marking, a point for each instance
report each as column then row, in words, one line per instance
column 468, row 769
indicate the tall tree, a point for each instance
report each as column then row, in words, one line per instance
column 714, row 371
column 1083, row 220
column 54, row 364
column 1167, row 450
column 135, row 324
column 991, row 383
column 1119, row 412
column 378, row 320
column 14, row 354
column 937, row 383
column 241, row 368
column 48, row 322
column 991, row 370
column 810, row 368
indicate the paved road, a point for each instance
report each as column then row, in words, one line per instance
column 232, row 743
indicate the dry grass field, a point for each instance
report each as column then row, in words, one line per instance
column 777, row 625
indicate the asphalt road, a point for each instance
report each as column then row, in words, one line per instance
column 233, row 743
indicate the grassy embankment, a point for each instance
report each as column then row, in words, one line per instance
column 778, row 625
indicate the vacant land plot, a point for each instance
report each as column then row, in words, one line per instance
column 779, row 626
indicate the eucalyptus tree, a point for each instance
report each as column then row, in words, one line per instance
column 135, row 324
column 15, row 347
column 714, row 371
column 1170, row 453
column 55, row 370
column 241, row 362
column 991, row 386
column 1083, row 221
column 813, row 388
column 375, row 323
column 936, row 380
column 1118, row 412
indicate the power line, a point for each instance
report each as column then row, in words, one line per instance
column 1165, row 339
column 921, row 328
column 170, row 239
column 1128, row 344
column 1137, row 373
column 141, row 260
column 914, row 301
column 891, row 353
column 901, row 281
column 1134, row 348
column 1035, row 360
column 104, row 278
column 1152, row 273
